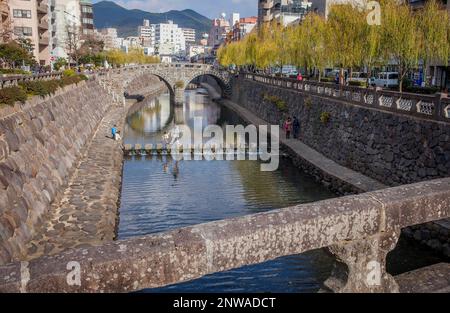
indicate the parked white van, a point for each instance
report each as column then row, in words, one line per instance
column 385, row 79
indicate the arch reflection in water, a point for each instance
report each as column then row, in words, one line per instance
column 159, row 194
column 148, row 120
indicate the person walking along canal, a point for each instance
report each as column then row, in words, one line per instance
column 288, row 127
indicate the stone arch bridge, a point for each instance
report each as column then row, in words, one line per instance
column 134, row 80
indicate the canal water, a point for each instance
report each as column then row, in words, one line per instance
column 159, row 194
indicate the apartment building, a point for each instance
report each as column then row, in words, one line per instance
column 169, row 39
column 189, row 35
column 65, row 19
column 29, row 20
column 87, row 17
column 219, row 31
column 146, row 33
column 109, row 37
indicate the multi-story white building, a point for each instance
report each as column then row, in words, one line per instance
column 189, row 35
column 146, row 33
column 109, row 38
column 65, row 20
column 30, row 21
column 169, row 39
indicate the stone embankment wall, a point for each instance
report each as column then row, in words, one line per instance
column 391, row 148
column 40, row 143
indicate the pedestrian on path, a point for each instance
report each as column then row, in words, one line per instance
column 288, row 127
column 114, row 132
column 296, row 127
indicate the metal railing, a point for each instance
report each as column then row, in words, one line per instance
column 435, row 107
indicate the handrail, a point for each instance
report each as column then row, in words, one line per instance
column 435, row 107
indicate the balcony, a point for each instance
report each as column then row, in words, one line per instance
column 44, row 40
column 43, row 25
column 42, row 8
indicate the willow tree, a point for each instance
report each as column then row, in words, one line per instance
column 316, row 39
column 250, row 46
column 401, row 37
column 267, row 53
column 433, row 23
column 347, row 23
column 294, row 39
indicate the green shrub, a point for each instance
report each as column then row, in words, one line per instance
column 422, row 90
column 69, row 73
column 13, row 71
column 357, row 83
column 179, row 84
column 10, row 95
column 40, row 87
column 36, row 88
column 279, row 103
column 69, row 80
column 325, row 117
column 327, row 80
column 308, row 103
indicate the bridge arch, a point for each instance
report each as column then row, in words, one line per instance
column 175, row 76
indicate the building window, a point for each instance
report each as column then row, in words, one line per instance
column 85, row 9
column 88, row 21
column 22, row 13
column 23, row 31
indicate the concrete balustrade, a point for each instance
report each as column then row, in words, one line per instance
column 359, row 229
column 434, row 107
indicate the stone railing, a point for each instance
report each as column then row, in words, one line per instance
column 16, row 79
column 130, row 68
column 433, row 107
column 360, row 230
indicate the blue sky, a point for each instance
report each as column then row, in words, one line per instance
column 209, row 8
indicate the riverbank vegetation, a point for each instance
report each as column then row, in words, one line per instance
column 20, row 93
column 347, row 40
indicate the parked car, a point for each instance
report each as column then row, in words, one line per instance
column 385, row 79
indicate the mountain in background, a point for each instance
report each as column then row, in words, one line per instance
column 110, row 14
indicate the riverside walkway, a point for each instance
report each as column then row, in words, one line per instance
column 86, row 212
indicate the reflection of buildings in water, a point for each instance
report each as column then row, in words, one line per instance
column 147, row 124
column 153, row 116
column 201, row 106
column 179, row 116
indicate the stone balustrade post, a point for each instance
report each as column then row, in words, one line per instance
column 361, row 265
column 438, row 109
